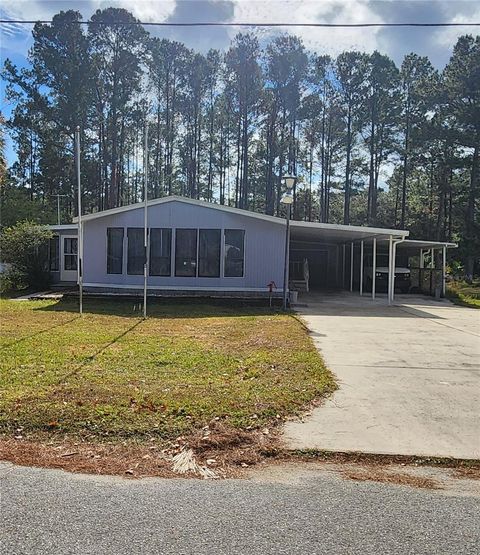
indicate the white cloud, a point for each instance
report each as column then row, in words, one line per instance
column 447, row 36
column 144, row 10
column 329, row 40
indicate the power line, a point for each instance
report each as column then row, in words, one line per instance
column 237, row 24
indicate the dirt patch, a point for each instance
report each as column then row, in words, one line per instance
column 223, row 450
column 388, row 476
column 470, row 472
column 220, row 451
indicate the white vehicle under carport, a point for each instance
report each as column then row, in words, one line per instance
column 402, row 274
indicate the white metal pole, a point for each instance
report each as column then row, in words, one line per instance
column 351, row 267
column 394, row 264
column 80, row 225
column 337, row 266
column 286, row 262
column 145, row 220
column 390, row 253
column 361, row 267
column 444, row 271
column 374, row 266
column 421, row 272
column 343, row 267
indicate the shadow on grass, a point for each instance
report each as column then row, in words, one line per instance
column 92, row 357
column 26, row 337
column 162, row 308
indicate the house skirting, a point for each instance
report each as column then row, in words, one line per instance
column 158, row 291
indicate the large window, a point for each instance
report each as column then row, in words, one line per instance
column 209, row 253
column 70, row 253
column 186, row 252
column 234, row 252
column 160, row 251
column 54, row 254
column 114, row 250
column 135, row 251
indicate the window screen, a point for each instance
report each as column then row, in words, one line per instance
column 114, row 250
column 234, row 252
column 186, row 252
column 160, row 251
column 70, row 253
column 136, row 251
column 209, row 253
column 53, row 254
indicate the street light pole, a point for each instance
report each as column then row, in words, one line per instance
column 287, row 199
column 287, row 258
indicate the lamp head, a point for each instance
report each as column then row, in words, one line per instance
column 289, row 181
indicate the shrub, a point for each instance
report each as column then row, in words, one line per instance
column 24, row 247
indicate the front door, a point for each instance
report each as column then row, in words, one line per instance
column 68, row 270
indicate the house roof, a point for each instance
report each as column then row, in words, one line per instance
column 173, row 198
column 310, row 230
column 300, row 231
column 60, row 227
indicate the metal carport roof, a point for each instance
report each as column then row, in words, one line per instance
column 340, row 234
column 417, row 244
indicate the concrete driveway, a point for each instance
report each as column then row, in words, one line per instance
column 409, row 377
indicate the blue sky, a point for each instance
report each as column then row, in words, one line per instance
column 434, row 43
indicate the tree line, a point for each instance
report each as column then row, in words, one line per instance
column 371, row 143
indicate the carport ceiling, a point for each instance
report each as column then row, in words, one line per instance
column 335, row 233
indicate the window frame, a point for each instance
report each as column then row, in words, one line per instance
column 56, row 240
column 70, row 255
column 176, row 252
column 141, row 231
column 224, row 252
column 219, row 269
column 170, row 257
column 122, row 254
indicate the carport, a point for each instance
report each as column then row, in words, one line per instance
column 429, row 276
column 332, row 256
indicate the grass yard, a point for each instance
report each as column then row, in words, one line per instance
column 464, row 294
column 110, row 375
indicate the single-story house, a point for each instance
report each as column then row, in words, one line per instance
column 200, row 248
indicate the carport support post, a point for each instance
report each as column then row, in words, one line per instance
column 361, row 268
column 374, row 266
column 343, row 267
column 444, row 271
column 394, row 260
column 390, row 256
column 351, row 267
column 421, row 272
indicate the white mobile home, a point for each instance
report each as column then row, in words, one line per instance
column 196, row 247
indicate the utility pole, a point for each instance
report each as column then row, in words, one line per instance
column 80, row 226
column 145, row 221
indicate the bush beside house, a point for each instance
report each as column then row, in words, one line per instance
column 24, row 254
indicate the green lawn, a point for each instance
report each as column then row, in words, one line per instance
column 110, row 374
column 465, row 294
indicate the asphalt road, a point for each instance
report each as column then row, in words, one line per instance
column 50, row 512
